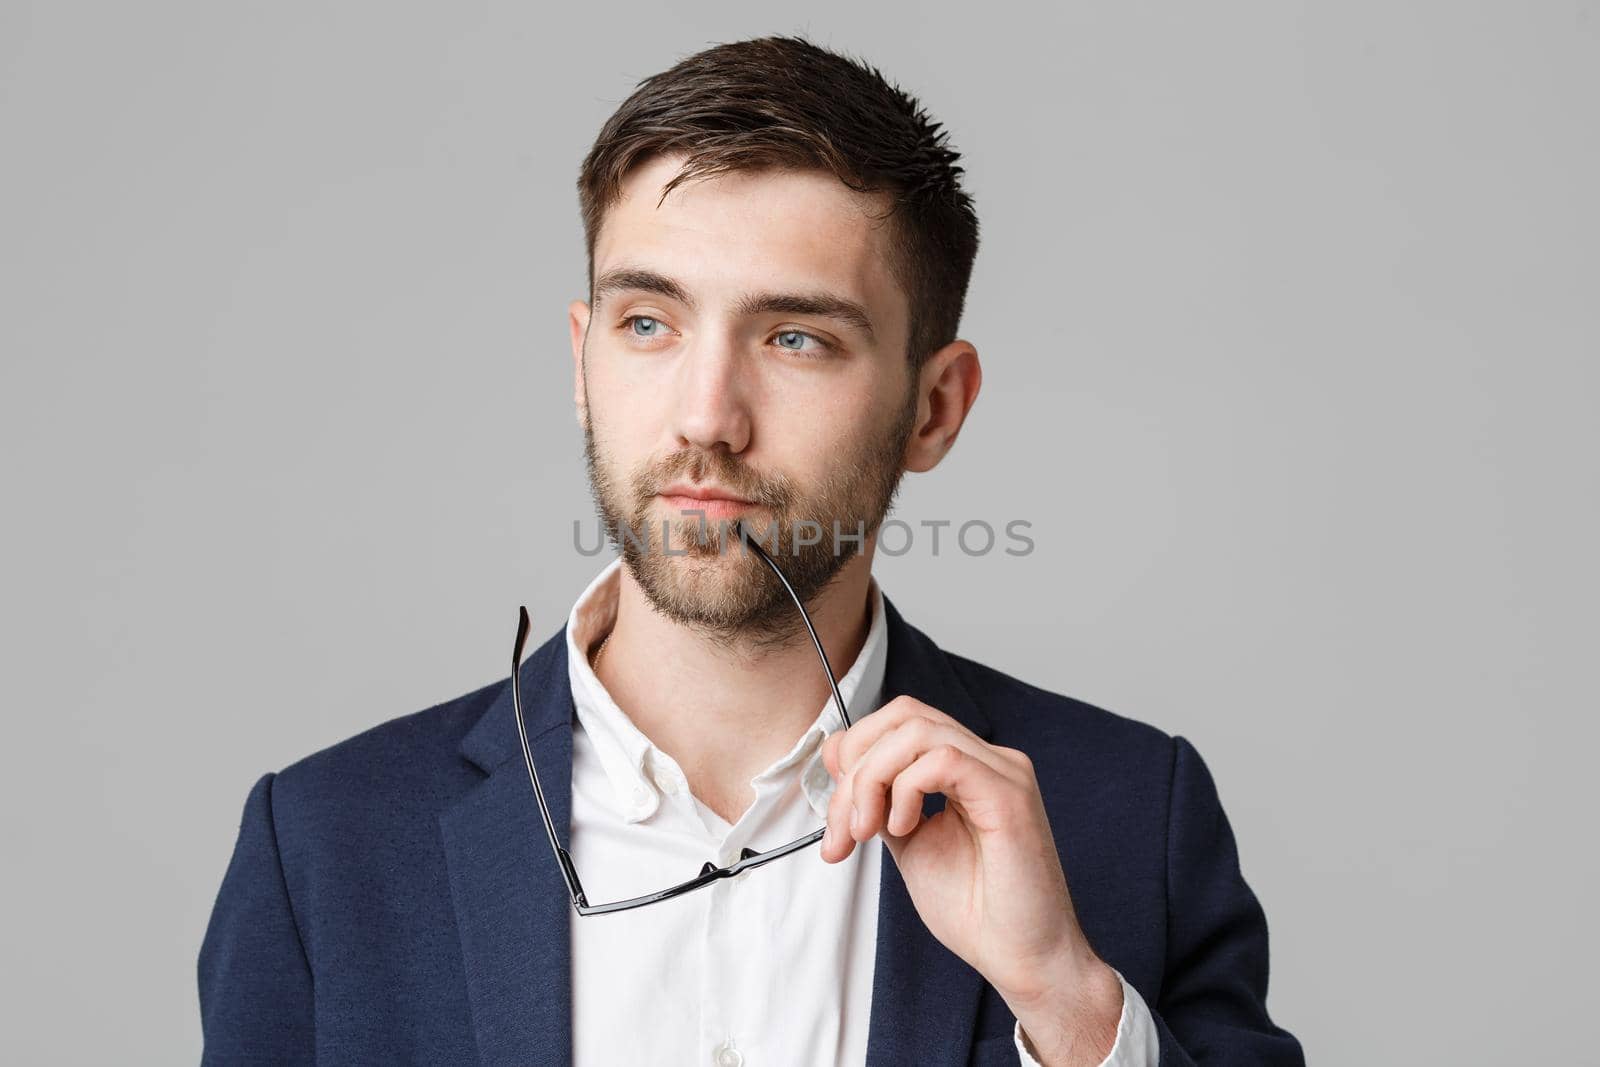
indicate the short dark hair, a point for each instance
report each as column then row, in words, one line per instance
column 783, row 102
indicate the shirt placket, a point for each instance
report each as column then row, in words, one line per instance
column 734, row 971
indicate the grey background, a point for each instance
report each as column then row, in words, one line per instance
column 1288, row 319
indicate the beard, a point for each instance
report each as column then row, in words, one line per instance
column 713, row 583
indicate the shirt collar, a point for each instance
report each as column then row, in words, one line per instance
column 631, row 760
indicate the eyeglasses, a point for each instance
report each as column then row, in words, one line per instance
column 749, row 858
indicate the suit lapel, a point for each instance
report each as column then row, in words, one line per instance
column 511, row 905
column 924, row 997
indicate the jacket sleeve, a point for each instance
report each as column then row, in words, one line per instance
column 255, row 980
column 1213, row 1003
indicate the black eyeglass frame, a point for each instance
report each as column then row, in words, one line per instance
column 748, row 859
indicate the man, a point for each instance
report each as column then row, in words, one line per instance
column 779, row 250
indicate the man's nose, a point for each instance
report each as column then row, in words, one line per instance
column 711, row 405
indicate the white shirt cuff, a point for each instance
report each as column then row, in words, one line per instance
column 1137, row 1044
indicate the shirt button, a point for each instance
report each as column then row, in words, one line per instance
column 641, row 797
column 728, row 1056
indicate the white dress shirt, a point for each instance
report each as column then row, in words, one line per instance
column 772, row 967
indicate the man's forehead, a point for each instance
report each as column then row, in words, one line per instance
column 788, row 230
column 811, row 196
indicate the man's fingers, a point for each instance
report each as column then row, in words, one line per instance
column 880, row 767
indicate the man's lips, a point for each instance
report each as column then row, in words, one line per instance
column 713, row 507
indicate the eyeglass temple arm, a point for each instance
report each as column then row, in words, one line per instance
column 805, row 615
column 568, row 871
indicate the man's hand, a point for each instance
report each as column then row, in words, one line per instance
column 983, row 873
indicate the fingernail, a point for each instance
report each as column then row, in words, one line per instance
column 855, row 819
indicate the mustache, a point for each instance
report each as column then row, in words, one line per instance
column 718, row 468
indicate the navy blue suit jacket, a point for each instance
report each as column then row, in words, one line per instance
column 393, row 899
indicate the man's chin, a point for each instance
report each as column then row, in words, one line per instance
column 722, row 590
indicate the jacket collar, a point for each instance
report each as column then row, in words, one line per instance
column 513, row 912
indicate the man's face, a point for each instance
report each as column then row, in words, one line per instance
column 687, row 374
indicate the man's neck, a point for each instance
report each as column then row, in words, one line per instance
column 725, row 712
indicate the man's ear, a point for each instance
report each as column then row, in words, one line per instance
column 947, row 389
column 578, row 324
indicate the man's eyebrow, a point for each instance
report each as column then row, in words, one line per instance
column 824, row 304
column 633, row 279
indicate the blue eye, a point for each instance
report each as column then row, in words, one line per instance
column 647, row 327
column 822, row 347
